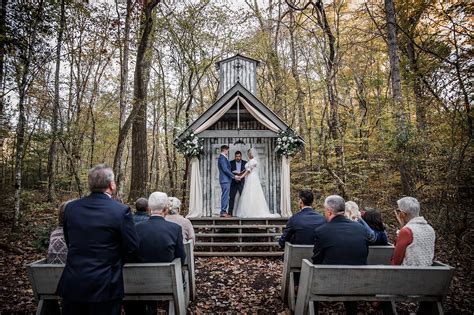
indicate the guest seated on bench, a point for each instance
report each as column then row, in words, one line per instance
column 373, row 218
column 416, row 240
column 300, row 227
column 57, row 249
column 141, row 211
column 174, row 216
column 340, row 241
column 159, row 241
column 352, row 213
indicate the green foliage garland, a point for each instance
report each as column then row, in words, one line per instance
column 189, row 145
column 288, row 143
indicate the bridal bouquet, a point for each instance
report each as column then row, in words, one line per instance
column 288, row 143
column 189, row 145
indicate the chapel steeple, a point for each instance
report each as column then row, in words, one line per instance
column 237, row 69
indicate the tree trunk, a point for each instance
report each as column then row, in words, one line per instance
column 20, row 141
column 21, row 125
column 3, row 13
column 138, row 182
column 401, row 123
column 363, row 125
column 294, row 71
column 52, row 157
column 416, row 84
column 123, row 93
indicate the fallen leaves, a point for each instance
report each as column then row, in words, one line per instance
column 238, row 285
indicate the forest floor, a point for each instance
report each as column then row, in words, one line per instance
column 224, row 285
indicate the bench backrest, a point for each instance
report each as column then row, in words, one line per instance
column 152, row 278
column 44, row 277
column 155, row 278
column 340, row 280
column 294, row 254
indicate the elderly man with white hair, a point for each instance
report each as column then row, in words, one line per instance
column 340, row 241
column 416, row 239
column 159, row 241
column 174, row 216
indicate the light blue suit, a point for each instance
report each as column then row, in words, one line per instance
column 225, row 179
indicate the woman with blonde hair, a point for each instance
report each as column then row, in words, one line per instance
column 175, row 217
column 352, row 213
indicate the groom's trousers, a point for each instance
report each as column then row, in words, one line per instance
column 225, row 197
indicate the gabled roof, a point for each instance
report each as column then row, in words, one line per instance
column 235, row 57
column 222, row 101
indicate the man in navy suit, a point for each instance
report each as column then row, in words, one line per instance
column 340, row 241
column 237, row 166
column 225, row 179
column 301, row 226
column 159, row 241
column 101, row 237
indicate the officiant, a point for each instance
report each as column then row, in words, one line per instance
column 237, row 166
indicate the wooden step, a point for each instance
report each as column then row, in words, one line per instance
column 241, row 254
column 237, row 234
column 235, row 226
column 226, row 244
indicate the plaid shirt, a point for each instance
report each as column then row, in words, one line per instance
column 57, row 250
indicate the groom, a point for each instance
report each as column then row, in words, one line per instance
column 225, row 179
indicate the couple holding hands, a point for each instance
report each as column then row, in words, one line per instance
column 242, row 176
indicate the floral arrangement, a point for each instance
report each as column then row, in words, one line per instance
column 189, row 145
column 288, row 143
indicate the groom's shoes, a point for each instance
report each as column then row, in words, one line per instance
column 226, row 215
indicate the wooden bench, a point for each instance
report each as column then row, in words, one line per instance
column 294, row 255
column 428, row 285
column 147, row 282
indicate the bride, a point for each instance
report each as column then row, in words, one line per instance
column 252, row 203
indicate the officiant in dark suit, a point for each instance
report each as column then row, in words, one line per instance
column 237, row 166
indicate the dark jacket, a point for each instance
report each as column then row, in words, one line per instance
column 140, row 216
column 340, row 242
column 301, row 226
column 100, row 236
column 160, row 241
column 233, row 167
column 380, row 238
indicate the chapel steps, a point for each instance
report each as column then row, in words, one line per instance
column 250, row 237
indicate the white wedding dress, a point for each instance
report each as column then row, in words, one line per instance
column 252, row 203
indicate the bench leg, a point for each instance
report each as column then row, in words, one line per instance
column 313, row 307
column 428, row 308
column 171, row 310
column 39, row 310
column 187, row 294
column 291, row 292
column 389, row 308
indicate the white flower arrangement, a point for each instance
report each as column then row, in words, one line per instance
column 189, row 145
column 288, row 143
